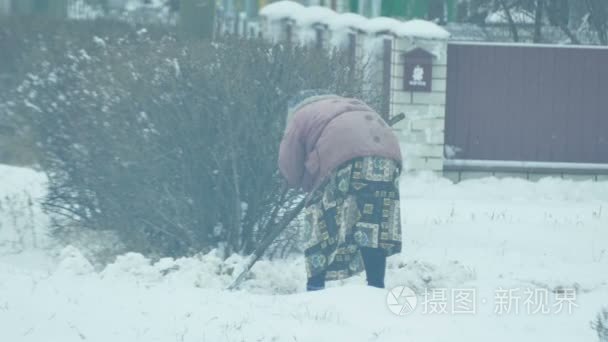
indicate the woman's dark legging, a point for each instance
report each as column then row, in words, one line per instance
column 374, row 260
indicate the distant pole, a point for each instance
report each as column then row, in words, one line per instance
column 57, row 8
column 197, row 18
column 5, row 7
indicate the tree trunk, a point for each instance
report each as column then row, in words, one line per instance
column 557, row 11
column 598, row 10
column 538, row 21
column 197, row 18
column 235, row 234
column 576, row 12
column 559, row 14
column 512, row 25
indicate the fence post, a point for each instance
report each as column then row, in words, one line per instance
column 245, row 24
column 5, row 7
column 422, row 133
column 237, row 23
column 197, row 18
column 318, row 37
column 387, row 61
column 219, row 22
column 352, row 54
column 289, row 33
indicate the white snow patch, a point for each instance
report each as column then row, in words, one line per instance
column 73, row 262
column 451, row 151
column 519, row 17
column 23, row 225
column 480, row 234
column 281, row 9
column 422, row 29
column 99, row 41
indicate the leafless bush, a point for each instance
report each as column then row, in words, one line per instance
column 170, row 143
column 600, row 324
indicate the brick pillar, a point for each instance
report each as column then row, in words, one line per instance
column 387, row 61
column 422, row 132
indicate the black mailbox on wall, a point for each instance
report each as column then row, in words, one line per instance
column 418, row 70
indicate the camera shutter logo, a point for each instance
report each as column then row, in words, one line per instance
column 418, row 77
column 401, row 300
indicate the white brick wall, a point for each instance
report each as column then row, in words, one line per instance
column 422, row 132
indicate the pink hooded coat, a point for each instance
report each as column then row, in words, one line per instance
column 324, row 134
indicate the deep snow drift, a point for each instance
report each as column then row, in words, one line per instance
column 485, row 236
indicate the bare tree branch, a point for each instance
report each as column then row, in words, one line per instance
column 512, row 25
column 538, row 21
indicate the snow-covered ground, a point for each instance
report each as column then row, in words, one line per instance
column 492, row 241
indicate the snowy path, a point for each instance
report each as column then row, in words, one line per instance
column 481, row 236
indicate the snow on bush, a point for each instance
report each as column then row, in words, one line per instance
column 284, row 276
column 206, row 271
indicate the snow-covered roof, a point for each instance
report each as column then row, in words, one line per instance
column 281, row 9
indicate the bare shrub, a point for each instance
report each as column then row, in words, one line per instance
column 170, row 143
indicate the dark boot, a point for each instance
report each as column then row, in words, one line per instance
column 316, row 282
column 374, row 260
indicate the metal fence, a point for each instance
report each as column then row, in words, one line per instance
column 527, row 103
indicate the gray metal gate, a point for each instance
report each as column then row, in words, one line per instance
column 527, row 103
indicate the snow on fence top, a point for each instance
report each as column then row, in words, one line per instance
column 347, row 21
column 381, row 24
column 422, row 29
column 306, row 16
column 314, row 15
column 281, row 10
